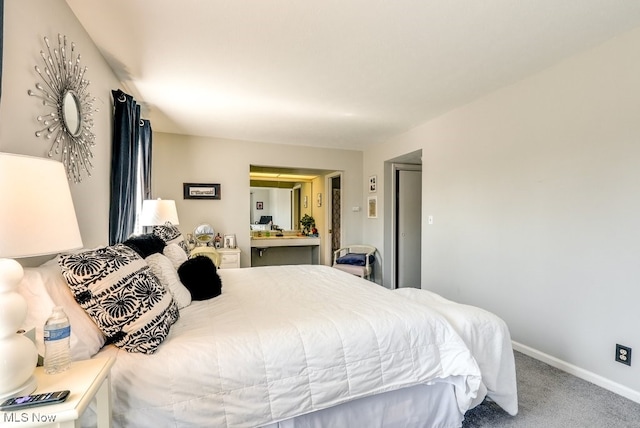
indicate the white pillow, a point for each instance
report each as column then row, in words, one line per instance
column 162, row 267
column 176, row 254
column 44, row 288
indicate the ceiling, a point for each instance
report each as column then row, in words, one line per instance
column 332, row 73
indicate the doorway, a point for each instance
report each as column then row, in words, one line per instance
column 407, row 225
column 334, row 215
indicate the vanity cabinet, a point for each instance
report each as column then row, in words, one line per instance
column 285, row 250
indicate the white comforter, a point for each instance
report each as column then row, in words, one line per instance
column 285, row 341
column 489, row 340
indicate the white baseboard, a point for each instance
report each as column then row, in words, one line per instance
column 603, row 382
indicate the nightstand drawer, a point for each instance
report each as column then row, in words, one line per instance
column 230, row 258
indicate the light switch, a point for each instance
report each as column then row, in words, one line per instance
column 430, row 219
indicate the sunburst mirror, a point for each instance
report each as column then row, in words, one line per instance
column 69, row 123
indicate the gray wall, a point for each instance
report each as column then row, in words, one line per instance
column 181, row 159
column 26, row 22
column 535, row 195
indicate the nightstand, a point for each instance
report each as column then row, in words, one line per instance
column 85, row 379
column 230, row 258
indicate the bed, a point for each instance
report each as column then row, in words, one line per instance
column 294, row 346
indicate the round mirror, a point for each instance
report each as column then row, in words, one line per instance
column 68, row 128
column 71, row 113
column 203, row 234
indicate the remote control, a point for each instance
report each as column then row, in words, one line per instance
column 34, row 400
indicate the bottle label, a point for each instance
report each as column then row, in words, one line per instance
column 57, row 334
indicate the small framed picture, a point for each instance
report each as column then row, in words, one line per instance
column 200, row 191
column 259, row 205
column 230, row 241
column 372, row 207
column 373, row 180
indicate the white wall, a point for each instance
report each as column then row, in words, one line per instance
column 181, row 159
column 26, row 22
column 535, row 194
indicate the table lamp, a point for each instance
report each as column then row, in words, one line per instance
column 156, row 212
column 36, row 218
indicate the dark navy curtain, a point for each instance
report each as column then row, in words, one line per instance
column 131, row 143
column 145, row 155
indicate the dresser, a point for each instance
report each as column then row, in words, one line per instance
column 230, row 258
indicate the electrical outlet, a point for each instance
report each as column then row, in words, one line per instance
column 623, row 354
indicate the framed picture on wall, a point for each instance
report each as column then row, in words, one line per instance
column 201, row 191
column 372, row 207
column 259, row 205
column 373, row 180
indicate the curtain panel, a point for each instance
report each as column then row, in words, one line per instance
column 130, row 165
column 146, row 140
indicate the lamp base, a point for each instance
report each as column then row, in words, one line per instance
column 18, row 354
column 25, row 389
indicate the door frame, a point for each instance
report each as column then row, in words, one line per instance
column 328, row 252
column 395, row 168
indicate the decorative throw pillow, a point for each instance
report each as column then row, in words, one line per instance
column 355, row 259
column 199, row 275
column 146, row 244
column 162, row 267
column 170, row 235
column 176, row 254
column 118, row 291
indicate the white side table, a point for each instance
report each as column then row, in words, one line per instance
column 85, row 379
column 230, row 258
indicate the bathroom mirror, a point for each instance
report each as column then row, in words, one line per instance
column 203, row 234
column 284, row 193
column 284, row 203
column 272, row 206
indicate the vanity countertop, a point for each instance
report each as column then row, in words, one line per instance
column 283, row 241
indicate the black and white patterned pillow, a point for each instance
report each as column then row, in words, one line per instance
column 170, row 234
column 117, row 289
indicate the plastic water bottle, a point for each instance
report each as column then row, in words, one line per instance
column 57, row 347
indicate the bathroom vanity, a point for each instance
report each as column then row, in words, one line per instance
column 285, row 250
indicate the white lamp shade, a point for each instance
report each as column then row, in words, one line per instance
column 156, row 212
column 37, row 216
